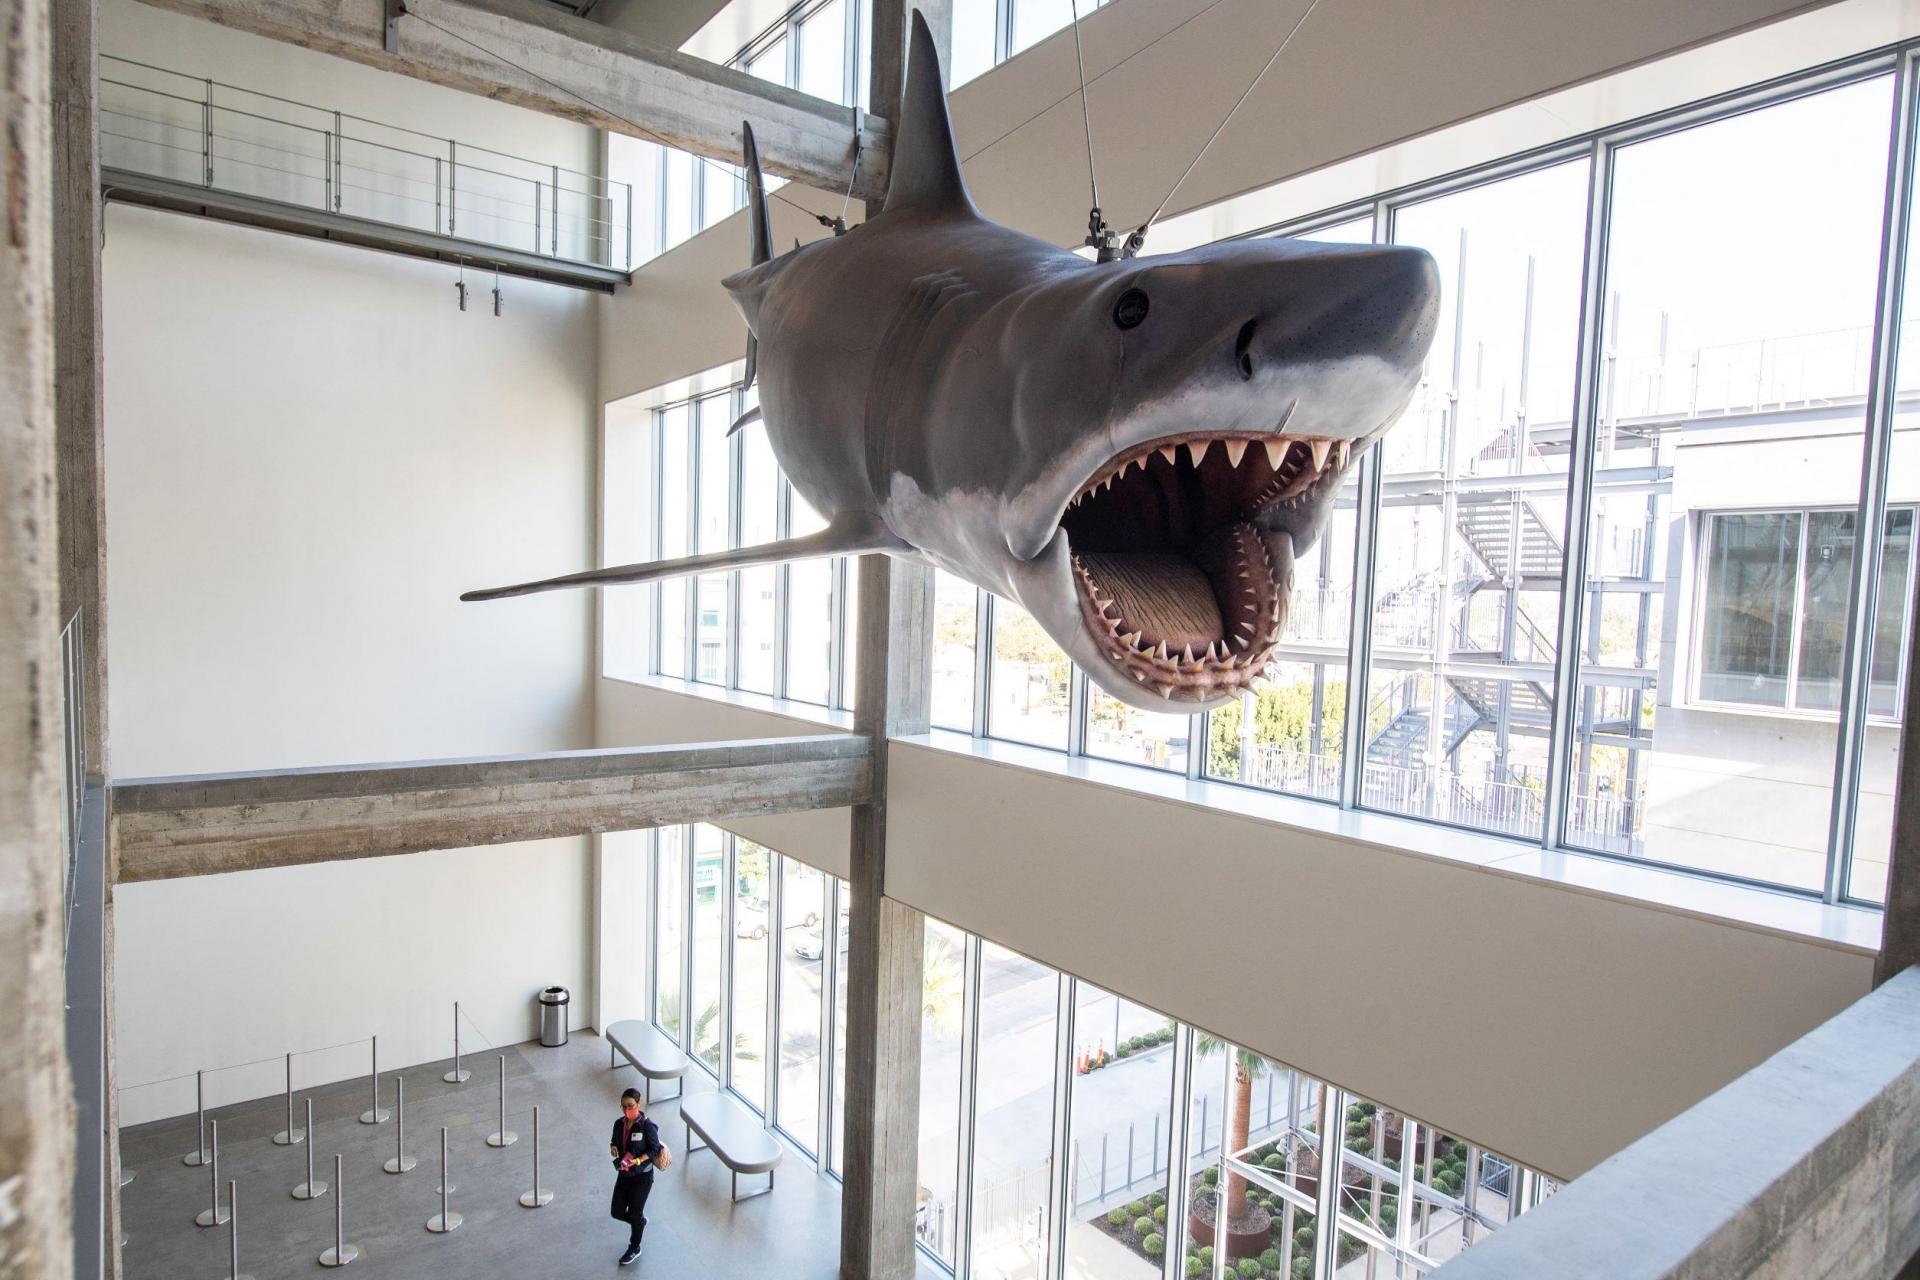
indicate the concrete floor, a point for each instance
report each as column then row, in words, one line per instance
column 693, row 1229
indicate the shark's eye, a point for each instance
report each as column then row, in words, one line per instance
column 1131, row 309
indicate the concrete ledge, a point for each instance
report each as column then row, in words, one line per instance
column 1807, row 1165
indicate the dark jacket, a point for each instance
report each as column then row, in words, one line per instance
column 643, row 1139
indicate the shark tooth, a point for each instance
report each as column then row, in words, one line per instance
column 1320, row 449
column 1132, row 638
column 1167, row 451
column 1186, row 654
column 1197, row 450
column 1276, row 453
column 1166, row 691
column 1160, row 652
column 1341, row 451
column 1236, row 450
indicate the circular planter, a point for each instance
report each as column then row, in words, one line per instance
column 1245, row 1238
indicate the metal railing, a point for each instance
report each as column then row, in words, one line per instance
column 166, row 124
column 74, row 783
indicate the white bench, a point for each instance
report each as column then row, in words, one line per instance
column 643, row 1045
column 736, row 1136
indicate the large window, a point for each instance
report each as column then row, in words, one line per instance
column 1039, row 1090
column 1628, row 444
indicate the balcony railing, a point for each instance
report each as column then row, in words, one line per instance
column 166, row 124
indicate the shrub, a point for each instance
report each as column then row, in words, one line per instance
column 1155, row 1200
column 1270, row 1259
column 1206, row 1256
column 1160, row 1215
column 1274, row 1161
column 1117, row 1217
column 1303, row 1238
column 1154, row 1245
column 1135, row 1208
column 1253, row 1197
column 1360, row 1146
column 1195, row 1267
column 1367, row 1109
column 1211, row 1176
column 1303, row 1269
column 1143, row 1225
column 1249, row 1268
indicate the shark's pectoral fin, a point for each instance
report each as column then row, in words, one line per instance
column 751, row 415
column 848, row 535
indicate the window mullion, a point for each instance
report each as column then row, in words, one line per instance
column 1797, row 610
column 1353, row 745
column 1060, row 1176
column 972, row 967
column 1856, row 676
column 1179, row 1143
column 1580, row 465
column 982, row 658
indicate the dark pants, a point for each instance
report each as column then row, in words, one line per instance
column 630, row 1191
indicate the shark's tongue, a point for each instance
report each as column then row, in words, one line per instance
column 1222, row 592
column 1166, row 596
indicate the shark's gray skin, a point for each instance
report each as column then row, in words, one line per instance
column 1134, row 451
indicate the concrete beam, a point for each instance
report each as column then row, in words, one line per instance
column 536, row 56
column 36, row 1125
column 206, row 825
column 1804, row 1166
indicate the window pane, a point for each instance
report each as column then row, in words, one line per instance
column 676, row 482
column 1287, row 735
column 709, row 870
column 1013, row 1115
column 943, row 984
column 955, row 620
column 823, row 52
column 974, row 31
column 771, row 62
column 1028, row 681
column 1887, row 663
column 720, row 191
column 713, row 527
column 1747, row 618
column 838, row 1117
column 849, row 567
column 1241, row 1102
column 802, row 971
column 809, row 616
column 678, row 199
column 759, row 511
column 1118, row 1138
column 1473, row 513
column 1035, row 20
column 1826, row 584
column 1733, row 389
column 669, row 928
column 1117, row 731
column 752, row 899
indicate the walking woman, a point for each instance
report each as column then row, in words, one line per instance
column 636, row 1150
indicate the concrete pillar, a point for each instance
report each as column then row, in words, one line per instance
column 36, row 1123
column 885, row 948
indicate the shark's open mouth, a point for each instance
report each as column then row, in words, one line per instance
column 1182, row 558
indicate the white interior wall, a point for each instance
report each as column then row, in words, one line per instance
column 310, row 453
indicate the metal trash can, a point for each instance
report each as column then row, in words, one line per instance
column 553, row 1016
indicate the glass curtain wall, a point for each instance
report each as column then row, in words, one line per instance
column 1628, row 444
column 1052, row 1113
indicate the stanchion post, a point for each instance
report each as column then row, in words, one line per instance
column 198, row 1156
column 539, row 1197
column 505, row 1137
column 341, row 1253
column 446, row 1220
column 457, row 1076
column 214, row 1216
column 233, row 1232
column 312, row 1188
column 401, row 1161
column 289, row 1136
column 373, row 1114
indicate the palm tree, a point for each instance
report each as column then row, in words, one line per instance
column 1248, row 1066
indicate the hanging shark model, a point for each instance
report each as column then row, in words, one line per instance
column 1133, row 451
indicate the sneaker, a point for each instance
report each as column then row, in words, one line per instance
column 627, row 1258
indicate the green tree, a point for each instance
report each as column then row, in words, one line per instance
column 1282, row 718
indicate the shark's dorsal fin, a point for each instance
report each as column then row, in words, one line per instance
column 926, row 165
column 762, row 233
column 850, row 534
